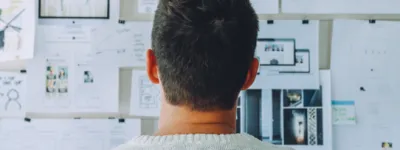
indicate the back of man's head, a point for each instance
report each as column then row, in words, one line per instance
column 204, row 49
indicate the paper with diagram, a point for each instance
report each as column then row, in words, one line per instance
column 74, row 9
column 363, row 63
column 123, row 45
column 341, row 6
column 288, row 54
column 17, row 29
column 67, row 134
column 12, row 94
column 145, row 96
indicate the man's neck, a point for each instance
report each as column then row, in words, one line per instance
column 182, row 120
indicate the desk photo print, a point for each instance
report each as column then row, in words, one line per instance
column 74, row 9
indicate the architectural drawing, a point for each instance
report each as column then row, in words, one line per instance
column 149, row 93
column 74, row 9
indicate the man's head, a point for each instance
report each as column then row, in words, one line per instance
column 203, row 52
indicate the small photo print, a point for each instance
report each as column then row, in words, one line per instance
column 51, row 79
column 313, row 97
column 62, row 79
column 87, row 77
column 292, row 98
column 295, row 127
column 387, row 146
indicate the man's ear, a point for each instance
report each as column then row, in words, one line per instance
column 251, row 74
column 151, row 67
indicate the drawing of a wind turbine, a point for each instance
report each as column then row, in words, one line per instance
column 8, row 25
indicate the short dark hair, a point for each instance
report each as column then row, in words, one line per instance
column 204, row 49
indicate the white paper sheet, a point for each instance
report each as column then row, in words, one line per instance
column 66, row 134
column 12, row 94
column 341, row 6
column 17, row 29
column 294, row 76
column 65, row 81
column 363, row 63
column 145, row 96
column 265, row 6
column 74, row 8
column 147, row 6
column 67, row 33
column 123, row 45
column 96, row 88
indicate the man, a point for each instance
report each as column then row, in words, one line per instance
column 202, row 56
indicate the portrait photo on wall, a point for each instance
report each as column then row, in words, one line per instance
column 51, row 80
column 62, row 79
column 303, row 126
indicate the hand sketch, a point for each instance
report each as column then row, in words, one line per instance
column 5, row 41
column 10, row 91
column 122, row 44
column 149, row 93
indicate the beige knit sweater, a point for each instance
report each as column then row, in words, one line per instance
column 199, row 142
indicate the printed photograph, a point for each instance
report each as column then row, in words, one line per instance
column 51, row 80
column 295, row 126
column 238, row 120
column 387, row 146
column 276, row 117
column 320, row 131
column 253, row 112
column 313, row 97
column 87, row 77
column 292, row 98
column 62, row 79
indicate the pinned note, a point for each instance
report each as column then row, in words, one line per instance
column 344, row 112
